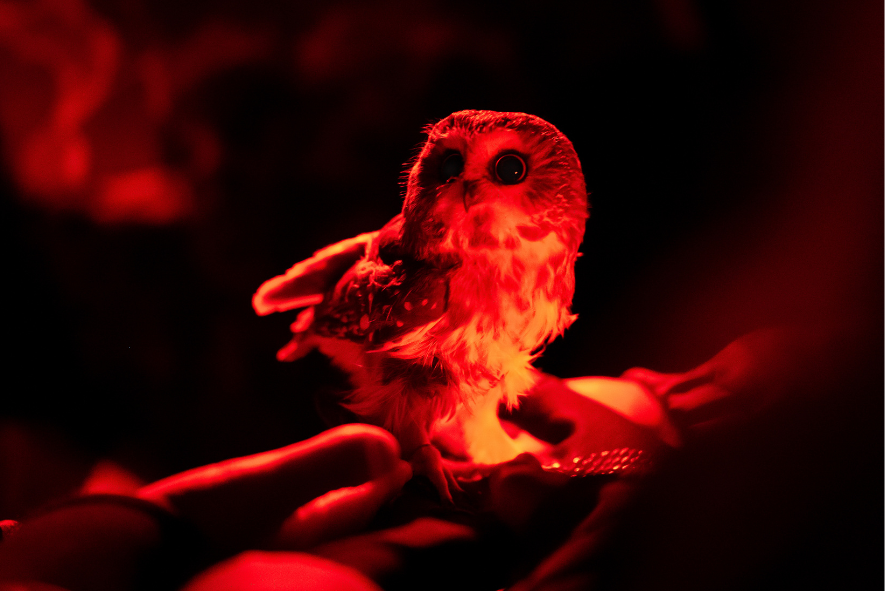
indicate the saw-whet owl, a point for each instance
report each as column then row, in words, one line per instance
column 438, row 316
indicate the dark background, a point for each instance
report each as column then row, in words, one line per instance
column 733, row 151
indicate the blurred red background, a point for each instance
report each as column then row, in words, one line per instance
column 161, row 159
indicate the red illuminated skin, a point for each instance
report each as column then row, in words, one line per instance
column 438, row 316
column 747, row 376
column 290, row 498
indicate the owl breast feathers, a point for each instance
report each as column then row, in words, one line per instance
column 451, row 301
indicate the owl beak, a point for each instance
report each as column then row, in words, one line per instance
column 469, row 196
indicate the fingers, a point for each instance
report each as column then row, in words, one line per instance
column 342, row 456
column 340, row 512
column 744, row 377
column 691, row 398
column 426, row 461
column 651, row 379
column 668, row 384
column 244, row 499
column 665, row 384
column 697, row 397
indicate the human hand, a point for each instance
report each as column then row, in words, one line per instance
column 294, row 497
column 744, row 377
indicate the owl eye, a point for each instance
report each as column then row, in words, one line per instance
column 510, row 169
column 451, row 167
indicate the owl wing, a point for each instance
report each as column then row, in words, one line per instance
column 306, row 282
column 363, row 288
column 383, row 295
column 377, row 303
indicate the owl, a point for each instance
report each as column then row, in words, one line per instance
column 438, row 316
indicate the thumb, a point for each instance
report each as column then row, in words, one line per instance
column 340, row 512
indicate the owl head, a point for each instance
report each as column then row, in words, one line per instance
column 488, row 180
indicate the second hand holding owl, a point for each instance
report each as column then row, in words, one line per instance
column 438, row 316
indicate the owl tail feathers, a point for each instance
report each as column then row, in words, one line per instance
column 301, row 343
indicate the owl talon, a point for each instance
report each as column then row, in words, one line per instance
column 450, row 478
column 426, row 461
